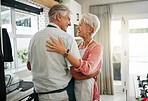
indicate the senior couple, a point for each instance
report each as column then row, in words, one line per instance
column 62, row 69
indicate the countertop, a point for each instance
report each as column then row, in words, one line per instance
column 17, row 94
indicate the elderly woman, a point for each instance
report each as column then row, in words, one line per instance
column 91, row 52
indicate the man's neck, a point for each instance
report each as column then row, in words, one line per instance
column 55, row 22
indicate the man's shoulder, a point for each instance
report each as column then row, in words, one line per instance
column 39, row 32
column 37, row 35
column 65, row 35
column 63, row 32
column 43, row 30
column 55, row 33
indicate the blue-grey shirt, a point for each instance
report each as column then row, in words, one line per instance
column 50, row 70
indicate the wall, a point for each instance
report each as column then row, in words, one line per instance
column 129, row 9
column 119, row 6
column 72, row 4
column 43, row 19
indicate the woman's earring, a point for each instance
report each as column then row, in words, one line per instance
column 88, row 34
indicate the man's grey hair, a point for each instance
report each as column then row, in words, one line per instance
column 62, row 9
column 92, row 21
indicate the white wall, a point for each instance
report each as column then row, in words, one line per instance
column 129, row 9
column 119, row 6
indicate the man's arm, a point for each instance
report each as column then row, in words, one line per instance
column 28, row 65
column 80, row 76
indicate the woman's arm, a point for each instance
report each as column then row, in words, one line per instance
column 59, row 47
column 80, row 76
column 93, row 62
column 86, row 67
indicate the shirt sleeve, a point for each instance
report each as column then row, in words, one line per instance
column 72, row 46
column 93, row 62
column 29, row 53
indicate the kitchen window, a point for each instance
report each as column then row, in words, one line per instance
column 21, row 26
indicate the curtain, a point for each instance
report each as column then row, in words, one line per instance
column 105, row 81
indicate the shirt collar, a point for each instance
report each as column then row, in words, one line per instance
column 55, row 25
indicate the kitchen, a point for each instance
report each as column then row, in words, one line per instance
column 128, row 29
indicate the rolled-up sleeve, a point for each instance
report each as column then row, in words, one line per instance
column 93, row 61
column 73, row 50
column 29, row 53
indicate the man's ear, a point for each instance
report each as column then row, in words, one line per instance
column 58, row 16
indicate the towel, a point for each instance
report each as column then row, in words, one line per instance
column 7, row 50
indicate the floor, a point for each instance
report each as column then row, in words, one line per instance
column 121, row 96
column 115, row 97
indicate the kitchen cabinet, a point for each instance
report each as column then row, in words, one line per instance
column 48, row 3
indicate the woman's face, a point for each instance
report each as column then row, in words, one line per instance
column 83, row 29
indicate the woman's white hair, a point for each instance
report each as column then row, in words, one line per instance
column 62, row 9
column 92, row 21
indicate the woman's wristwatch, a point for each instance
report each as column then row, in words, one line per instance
column 66, row 53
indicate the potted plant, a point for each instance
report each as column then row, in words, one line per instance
column 22, row 54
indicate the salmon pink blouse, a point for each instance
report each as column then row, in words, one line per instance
column 90, row 63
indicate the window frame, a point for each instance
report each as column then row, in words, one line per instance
column 14, row 36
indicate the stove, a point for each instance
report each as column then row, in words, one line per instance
column 141, row 86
